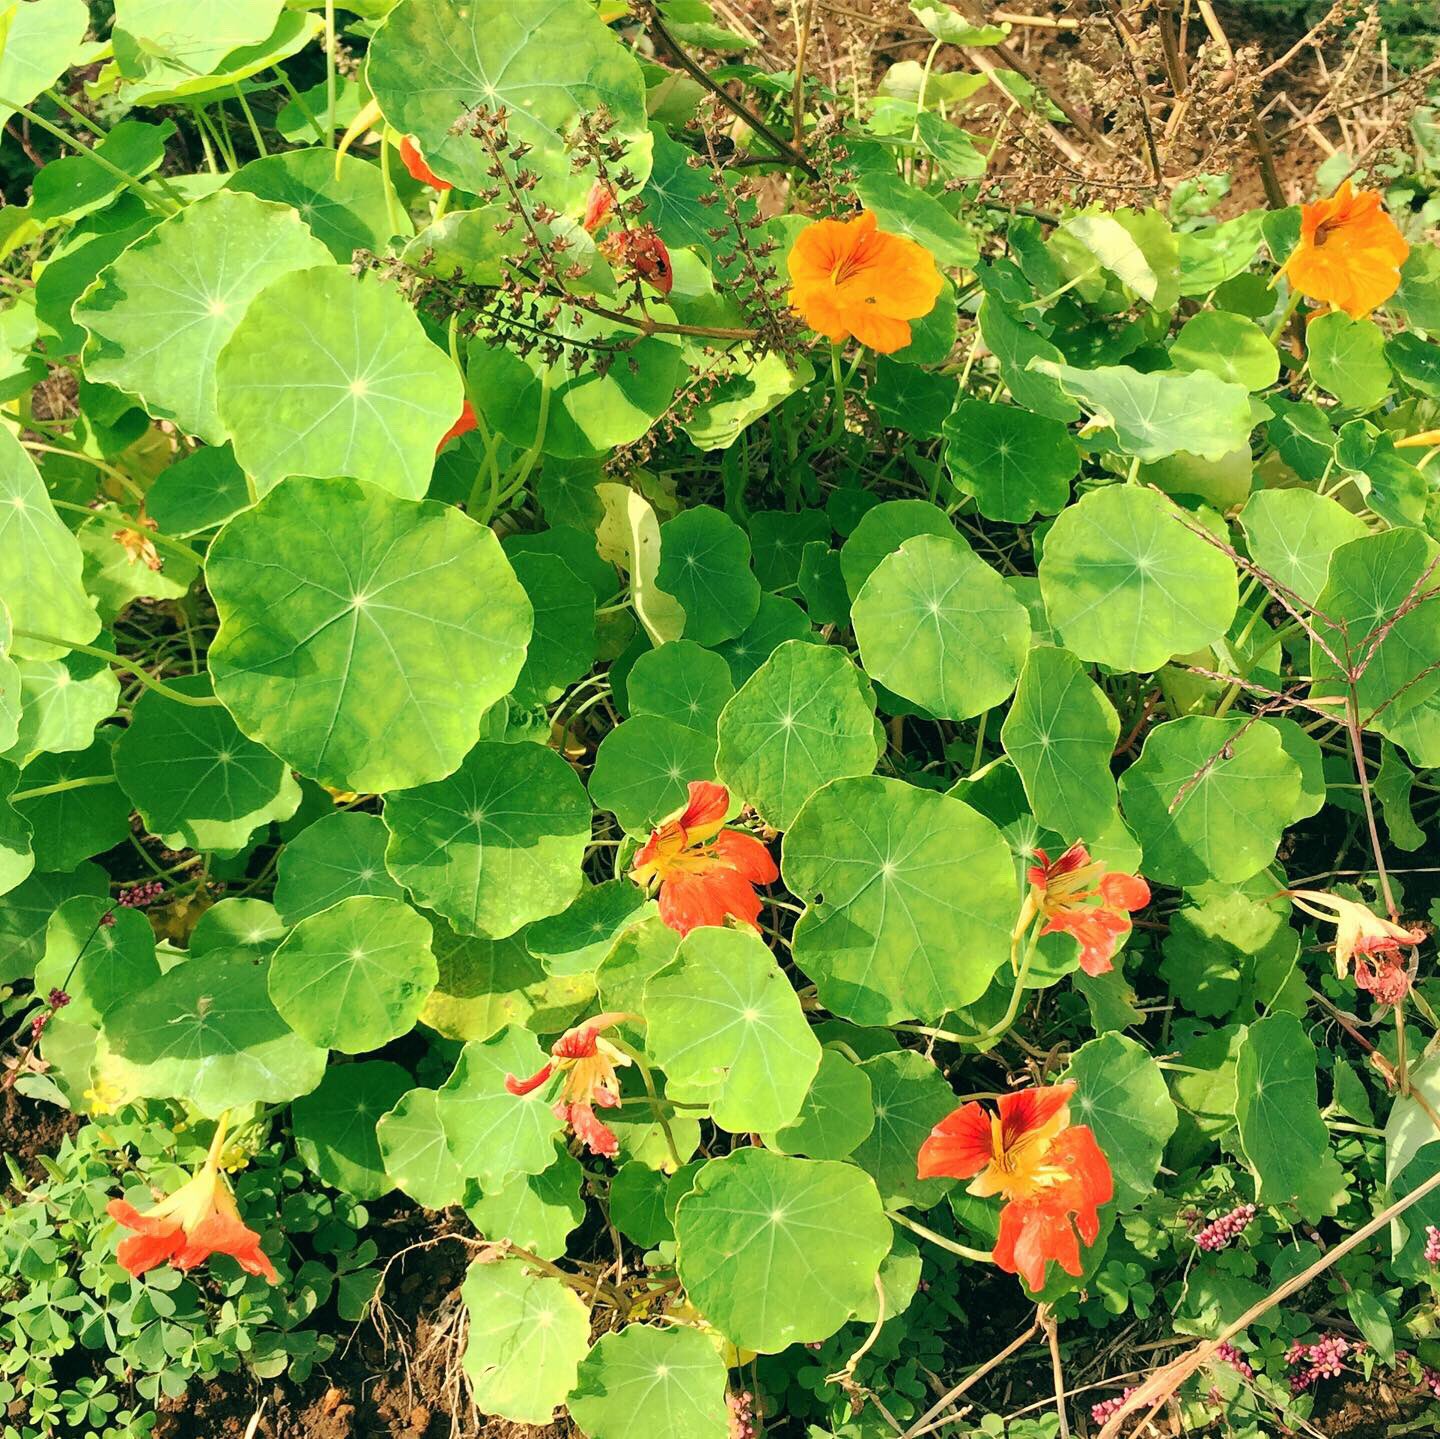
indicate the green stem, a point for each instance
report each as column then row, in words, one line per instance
column 60, row 786
column 300, row 104
column 330, row 73
column 118, row 476
column 120, row 662
column 963, row 1250
column 924, row 85
column 250, row 119
column 391, row 218
column 1290, row 307
column 655, row 1106
column 123, row 521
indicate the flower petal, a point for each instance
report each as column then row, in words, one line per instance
column 959, row 1146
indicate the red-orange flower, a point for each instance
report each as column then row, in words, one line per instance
column 185, row 1229
column 462, row 426
column 586, row 1064
column 640, row 250
column 1362, row 935
column 599, row 205
column 848, row 277
column 704, row 872
column 1350, row 252
column 1063, row 892
column 1051, row 1173
column 414, row 161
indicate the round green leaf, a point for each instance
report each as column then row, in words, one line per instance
column 41, row 39
column 580, row 936
column 562, row 646
column 775, row 1251
column 333, row 375
column 237, row 924
column 495, row 845
column 17, row 858
column 643, row 1380
column 837, row 1114
column 1061, row 733
column 545, row 64
column 939, row 627
column 341, row 199
column 705, row 564
column 116, row 578
column 1208, row 799
column 528, row 1334
column 910, row 1097
column 802, row 719
column 73, row 822
column 334, row 1125
column 61, row 703
column 726, row 1026
column 637, row 1204
column 198, row 492
column 1293, row 533
column 1230, row 346
column 337, row 857
column 161, row 312
column 354, row 976
column 415, row 1152
column 881, row 531
column 98, row 965
column 196, row 42
column 682, row 682
column 493, row 1134
column 1121, row 1095
column 535, row 1211
column 776, row 621
column 208, row 1030
column 362, row 636
column 1013, row 461
column 194, row 776
column 910, row 898
column 643, row 767
column 1347, row 359
column 1127, row 585
column 25, row 913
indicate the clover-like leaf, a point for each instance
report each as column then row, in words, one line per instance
column 725, row 1025
column 910, row 899
column 496, row 844
column 162, row 311
column 776, row 1251
column 362, row 636
column 647, row 1380
column 333, row 376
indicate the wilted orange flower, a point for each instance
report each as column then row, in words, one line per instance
column 1349, row 254
column 848, row 277
column 704, row 872
column 1051, row 1173
column 414, row 162
column 641, row 250
column 586, row 1064
column 462, row 426
column 1063, row 892
column 138, row 546
column 1362, row 935
column 599, row 205
column 198, row 1220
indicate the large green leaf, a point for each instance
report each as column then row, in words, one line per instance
column 528, row 1334
column 61, row 702
column 338, row 856
column 335, row 1125
column 416, row 1154
column 725, row 1025
column 40, row 40
column 1127, row 585
column 705, row 564
column 362, row 636
column 939, row 627
column 72, row 821
column 196, row 42
column 1347, row 358
column 910, row 1097
column 354, row 976
column 547, row 64
column 1208, row 799
column 209, row 1031
column 1013, row 461
column 775, row 1251
column 1292, row 534
column 26, row 909
column 643, row 767
column 682, row 682
column 910, row 898
column 576, row 940
column 1060, row 733
column 837, row 1114
column 333, row 375
column 1284, row 1138
column 535, row 1211
column 882, row 529
column 160, row 313
column 98, row 964
column 645, row 1380
column 802, row 719
column 496, row 844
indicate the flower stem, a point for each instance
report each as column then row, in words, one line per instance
column 120, row 662
column 963, row 1250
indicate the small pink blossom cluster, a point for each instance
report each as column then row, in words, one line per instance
column 138, row 896
column 1223, row 1232
column 57, row 999
column 1227, row 1353
column 742, row 1415
column 1430, row 1378
column 1432, row 1244
column 1106, row 1407
column 1322, row 1360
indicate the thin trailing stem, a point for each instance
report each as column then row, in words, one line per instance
column 120, row 662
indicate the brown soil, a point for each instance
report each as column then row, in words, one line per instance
column 29, row 1129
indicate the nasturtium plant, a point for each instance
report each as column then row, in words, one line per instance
column 699, row 723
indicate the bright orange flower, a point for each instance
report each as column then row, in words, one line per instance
column 1361, row 935
column 1062, row 893
column 1349, row 254
column 462, row 426
column 848, row 277
column 1051, row 1174
column 414, row 162
column 185, row 1229
column 704, row 871
column 586, row 1064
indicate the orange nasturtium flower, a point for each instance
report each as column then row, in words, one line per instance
column 414, row 162
column 1349, row 254
column 1362, row 935
column 462, row 426
column 848, row 277
column 198, row 1220
column 586, row 1064
column 1051, row 1173
column 1063, row 892
column 704, row 871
